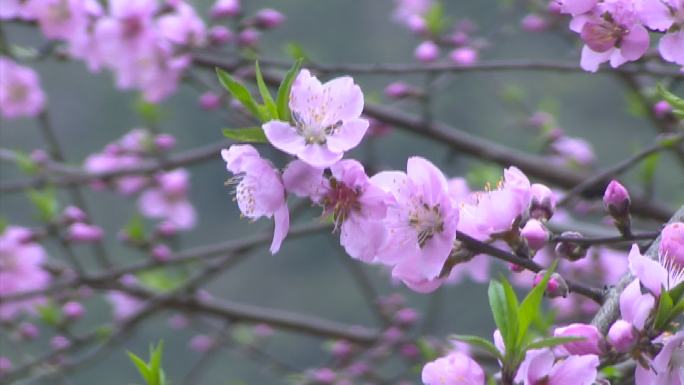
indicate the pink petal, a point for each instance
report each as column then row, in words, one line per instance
column 431, row 179
column 634, row 306
column 539, row 365
column 319, row 155
column 304, row 180
column 591, row 59
column 152, row 203
column 348, row 136
column 671, row 47
column 282, row 225
column 650, row 273
column 655, row 14
column 362, row 239
column 635, row 43
column 284, row 137
column 346, row 100
column 575, row 370
column 182, row 214
column 576, row 7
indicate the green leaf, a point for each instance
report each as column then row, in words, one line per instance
column 529, row 309
column 635, row 106
column 150, row 113
column 50, row 314
column 25, row 163
column 513, row 315
column 265, row 94
column 505, row 317
column 135, row 229
column 676, row 292
column 673, row 100
column 3, row 225
column 246, row 135
column 142, row 367
column 160, row 280
column 551, row 342
column 151, row 371
column 435, row 21
column 240, row 93
column 665, row 305
column 649, row 166
column 296, row 51
column 283, row 97
column 480, row 343
column 45, row 203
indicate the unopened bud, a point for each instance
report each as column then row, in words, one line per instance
column 268, row 18
column 616, row 201
column 59, row 342
column 399, row 90
column 672, row 243
column 84, row 233
column 556, row 287
column 225, row 8
column 427, row 52
column 591, row 343
column 622, row 336
column 161, row 253
column 543, row 203
column 406, row 317
column 5, row 365
column 73, row 310
column 534, row 23
column 164, row 142
column 72, row 214
column 209, row 101
column 570, row 250
column 219, row 35
column 662, row 109
column 201, row 343
column 535, row 234
column 465, row 56
column 167, row 229
column 248, row 37
column 28, row 331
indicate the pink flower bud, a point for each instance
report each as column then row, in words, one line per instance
column 28, row 331
column 398, row 90
column 456, row 368
column 622, row 336
column 161, row 253
column 5, row 365
column 571, row 250
column 427, row 52
column 409, row 351
column 59, row 342
column 515, row 268
column 590, row 344
column 73, row 310
column 249, row 37
column 167, row 229
column 392, row 335
column 72, row 214
column 616, row 199
column 662, row 109
column 323, row 375
column 209, row 101
column 84, row 233
column 416, row 24
column 535, row 234
column 406, row 317
column 534, row 23
column 201, row 343
column 341, row 349
column 219, row 35
column 178, row 321
column 164, row 142
column 268, row 18
column 465, row 56
column 672, row 243
column 458, row 38
column 377, row 128
column 39, row 156
column 543, row 203
column 225, row 8
column 556, row 287
column 263, row 330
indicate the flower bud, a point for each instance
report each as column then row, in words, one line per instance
column 5, row 365
column 225, row 8
column 84, row 233
column 178, row 321
column 427, row 52
column 543, row 203
column 323, row 375
column 406, row 317
column 392, row 335
column 534, row 23
column 73, row 310
column 28, row 331
column 464, row 56
column 161, row 253
column 662, row 109
column 167, row 229
column 341, row 349
column 377, row 128
column 268, row 18
column 556, row 287
column 409, row 351
column 416, row 24
column 201, row 343
column 399, row 90
column 39, row 156
column 535, row 234
column 672, row 243
column 72, row 214
column 616, row 199
column 591, row 343
column 622, row 336
column 164, row 142
column 263, row 330
column 209, row 101
column 248, row 37
column 219, row 35
column 571, row 250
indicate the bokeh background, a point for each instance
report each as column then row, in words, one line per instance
column 311, row 275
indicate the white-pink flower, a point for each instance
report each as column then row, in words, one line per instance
column 168, row 200
column 20, row 91
column 326, row 120
column 259, row 189
column 655, row 275
column 20, row 271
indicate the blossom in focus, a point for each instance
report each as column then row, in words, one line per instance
column 259, row 189
column 672, row 243
column 454, row 369
column 591, row 342
column 20, row 91
column 169, row 200
column 655, row 274
column 541, row 368
column 326, row 120
column 667, row 367
column 20, row 271
column 421, row 222
column 666, row 16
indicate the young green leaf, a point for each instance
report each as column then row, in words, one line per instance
column 135, row 229
column 46, row 204
column 240, row 93
column 665, row 305
column 246, row 135
column 151, row 371
column 271, row 108
column 505, row 319
column 513, row 314
column 480, row 343
column 529, row 308
column 283, row 97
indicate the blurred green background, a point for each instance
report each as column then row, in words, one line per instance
column 309, row 275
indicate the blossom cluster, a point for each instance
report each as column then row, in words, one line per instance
column 618, row 30
column 146, row 44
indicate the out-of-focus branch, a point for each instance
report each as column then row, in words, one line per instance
column 610, row 310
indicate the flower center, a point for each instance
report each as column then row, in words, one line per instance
column 313, row 132
column 59, row 12
column 18, row 92
column 341, row 201
column 426, row 221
